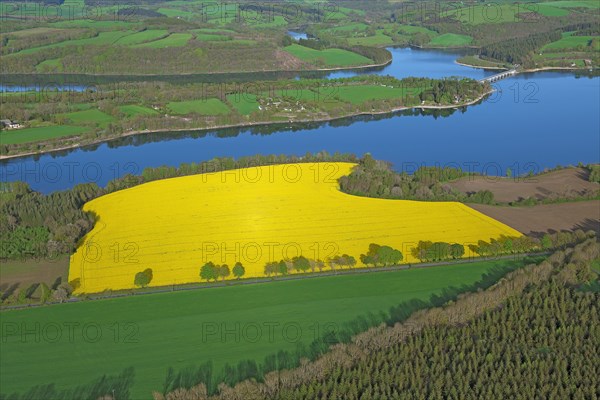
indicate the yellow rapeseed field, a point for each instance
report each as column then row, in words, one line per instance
column 255, row 215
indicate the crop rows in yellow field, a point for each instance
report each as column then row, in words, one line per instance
column 255, row 215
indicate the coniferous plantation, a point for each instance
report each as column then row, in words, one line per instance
column 541, row 344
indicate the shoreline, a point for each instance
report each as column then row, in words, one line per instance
column 248, row 125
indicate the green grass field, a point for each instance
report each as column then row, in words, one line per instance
column 142, row 37
column 173, row 40
column 572, row 42
column 329, row 57
column 132, row 110
column 361, row 93
column 379, row 39
column 245, row 104
column 26, row 135
column 178, row 329
column 53, row 65
column 211, row 37
column 348, row 28
column 214, row 30
column 574, row 4
column 93, row 116
column 203, row 107
column 415, row 29
column 450, row 40
column 549, row 11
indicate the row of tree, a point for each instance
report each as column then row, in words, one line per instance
column 437, row 251
column 212, row 271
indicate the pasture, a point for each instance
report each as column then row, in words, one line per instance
column 202, row 107
column 173, row 40
column 569, row 42
column 40, row 133
column 255, row 216
column 379, row 39
column 181, row 329
column 52, row 65
column 91, row 116
column 574, row 4
column 357, row 94
column 141, row 37
column 450, row 40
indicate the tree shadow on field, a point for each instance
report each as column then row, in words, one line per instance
column 117, row 387
column 56, row 283
column 589, row 224
column 9, row 291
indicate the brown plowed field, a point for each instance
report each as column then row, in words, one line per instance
column 569, row 182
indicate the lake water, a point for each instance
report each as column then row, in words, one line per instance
column 297, row 35
column 533, row 121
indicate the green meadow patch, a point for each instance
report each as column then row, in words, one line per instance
column 26, row 135
column 173, row 40
column 549, row 11
column 53, row 65
column 210, row 37
column 349, row 28
column 361, row 93
column 573, row 43
column 133, row 110
column 141, row 37
column 379, row 39
column 184, row 328
column 574, row 4
column 202, row 107
column 415, row 29
column 451, row 40
column 245, row 105
column 93, row 116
